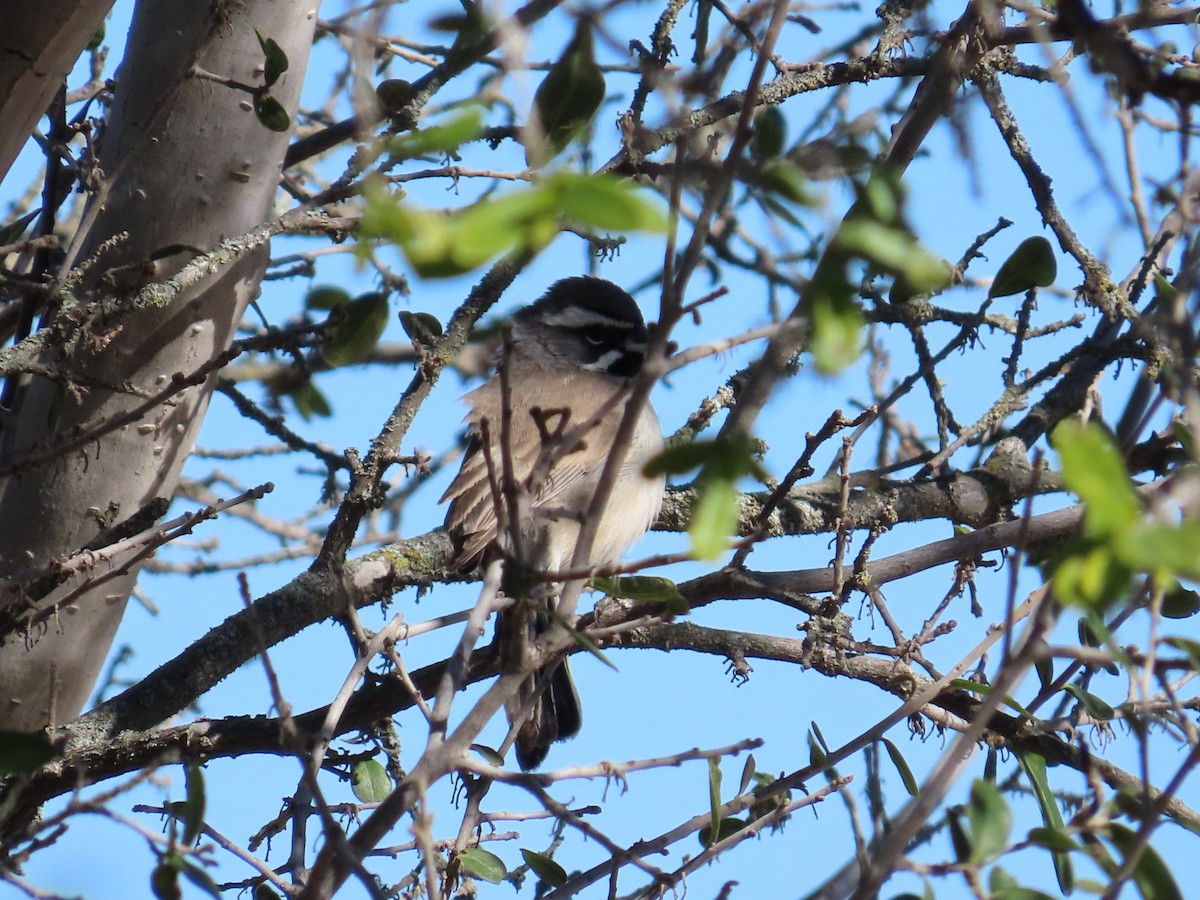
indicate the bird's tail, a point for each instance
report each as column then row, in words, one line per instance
column 555, row 714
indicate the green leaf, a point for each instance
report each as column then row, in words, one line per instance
column 714, row 518
column 1188, row 646
column 726, row 458
column 464, row 126
column 164, row 879
column 1180, row 603
column 24, row 751
column 1152, row 876
column 974, row 687
column 97, row 37
column 326, row 296
column 481, row 864
column 959, row 839
column 1016, row 892
column 837, row 332
column 424, row 328
column 1092, row 577
column 547, row 870
column 566, row 100
column 786, row 180
column 727, row 827
column 1032, row 264
column 990, row 820
column 271, row 114
column 1052, row 839
column 263, row 892
column 770, row 133
column 1034, row 767
column 275, row 61
column 1094, row 470
column 1169, row 550
column 354, row 338
column 714, row 802
column 200, row 879
column 604, row 202
column 488, row 753
column 645, row 589
column 13, row 231
column 747, row 774
column 369, row 781
column 1093, row 705
column 311, row 402
column 906, row 775
column 193, row 819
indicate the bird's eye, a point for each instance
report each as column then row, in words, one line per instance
column 594, row 339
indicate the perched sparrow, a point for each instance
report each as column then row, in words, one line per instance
column 574, row 349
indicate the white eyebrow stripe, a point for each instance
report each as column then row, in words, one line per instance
column 577, row 317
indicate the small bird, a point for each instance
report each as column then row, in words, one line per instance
column 578, row 346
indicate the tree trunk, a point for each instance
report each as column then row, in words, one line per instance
column 38, row 49
column 185, row 162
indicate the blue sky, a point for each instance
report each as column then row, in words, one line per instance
column 654, row 705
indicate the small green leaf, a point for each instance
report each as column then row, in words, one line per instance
column 1093, row 705
column 164, row 879
column 1188, row 646
column 97, row 38
column 311, row 402
column 275, row 61
column 464, row 126
column 1168, row 550
column 24, row 751
column 493, row 757
column 424, row 328
column 974, row 687
column 1152, row 876
column 193, row 820
column 1034, row 767
column 784, row 179
column 959, row 839
column 604, row 202
column 1180, row 603
column 837, row 332
column 1052, row 840
column 13, row 231
column 747, row 774
column 326, row 296
column 728, row 458
column 1032, row 264
column 1094, row 470
column 481, row 864
column 770, row 133
column 714, row 518
column 566, row 100
column 645, row 589
column 271, row 114
column 990, row 820
column 906, row 775
column 546, row 869
column 354, row 338
column 727, row 827
column 714, row 798
column 370, row 782
column 200, row 879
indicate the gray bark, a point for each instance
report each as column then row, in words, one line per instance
column 38, row 47
column 185, row 162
